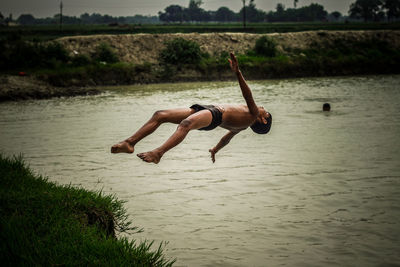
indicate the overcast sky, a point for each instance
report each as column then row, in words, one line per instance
column 48, row 8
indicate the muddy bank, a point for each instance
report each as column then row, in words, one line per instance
column 27, row 87
column 142, row 48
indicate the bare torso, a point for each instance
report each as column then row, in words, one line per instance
column 235, row 117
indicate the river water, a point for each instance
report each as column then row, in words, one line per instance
column 321, row 189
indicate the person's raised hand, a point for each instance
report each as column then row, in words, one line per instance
column 233, row 63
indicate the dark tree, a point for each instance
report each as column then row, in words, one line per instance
column 85, row 18
column 313, row 12
column 225, row 14
column 335, row 15
column 392, row 9
column 173, row 13
column 369, row 10
column 280, row 8
column 194, row 11
column 26, row 19
column 252, row 13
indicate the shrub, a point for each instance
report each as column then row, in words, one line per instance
column 145, row 67
column 20, row 54
column 265, row 46
column 55, row 51
column 80, row 60
column 180, row 51
column 104, row 53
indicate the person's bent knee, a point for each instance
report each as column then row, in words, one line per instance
column 160, row 116
column 185, row 125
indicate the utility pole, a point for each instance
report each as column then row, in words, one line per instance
column 61, row 7
column 244, row 13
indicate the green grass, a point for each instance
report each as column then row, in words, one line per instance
column 48, row 32
column 44, row 224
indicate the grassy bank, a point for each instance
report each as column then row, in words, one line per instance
column 44, row 224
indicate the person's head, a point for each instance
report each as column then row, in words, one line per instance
column 262, row 125
column 326, row 107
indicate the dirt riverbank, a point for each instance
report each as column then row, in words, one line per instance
column 142, row 48
column 14, row 87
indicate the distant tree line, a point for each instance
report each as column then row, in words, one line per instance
column 194, row 13
column 313, row 12
column 367, row 10
column 95, row 18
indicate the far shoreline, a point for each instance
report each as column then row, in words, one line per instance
column 296, row 55
column 32, row 91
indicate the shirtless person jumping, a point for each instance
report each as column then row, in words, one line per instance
column 234, row 118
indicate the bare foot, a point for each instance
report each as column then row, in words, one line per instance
column 150, row 156
column 123, row 147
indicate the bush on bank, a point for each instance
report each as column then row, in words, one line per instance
column 266, row 47
column 44, row 224
column 180, row 51
column 104, row 53
column 17, row 54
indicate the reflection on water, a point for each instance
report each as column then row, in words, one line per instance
column 320, row 189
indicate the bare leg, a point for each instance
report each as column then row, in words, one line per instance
column 195, row 121
column 159, row 117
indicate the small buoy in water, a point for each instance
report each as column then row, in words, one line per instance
column 22, row 73
column 326, row 107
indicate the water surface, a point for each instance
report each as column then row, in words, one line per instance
column 322, row 189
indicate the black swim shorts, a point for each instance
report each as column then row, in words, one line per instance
column 215, row 112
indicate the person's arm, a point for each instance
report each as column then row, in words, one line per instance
column 223, row 142
column 246, row 92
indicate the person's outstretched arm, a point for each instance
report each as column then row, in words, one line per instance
column 223, row 142
column 246, row 92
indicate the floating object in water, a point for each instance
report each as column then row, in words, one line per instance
column 326, row 107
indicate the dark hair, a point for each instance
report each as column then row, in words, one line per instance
column 262, row 128
column 326, row 107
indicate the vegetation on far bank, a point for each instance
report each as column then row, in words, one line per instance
column 44, row 224
column 183, row 60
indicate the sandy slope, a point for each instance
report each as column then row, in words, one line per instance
column 141, row 48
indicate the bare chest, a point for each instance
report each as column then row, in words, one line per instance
column 236, row 117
